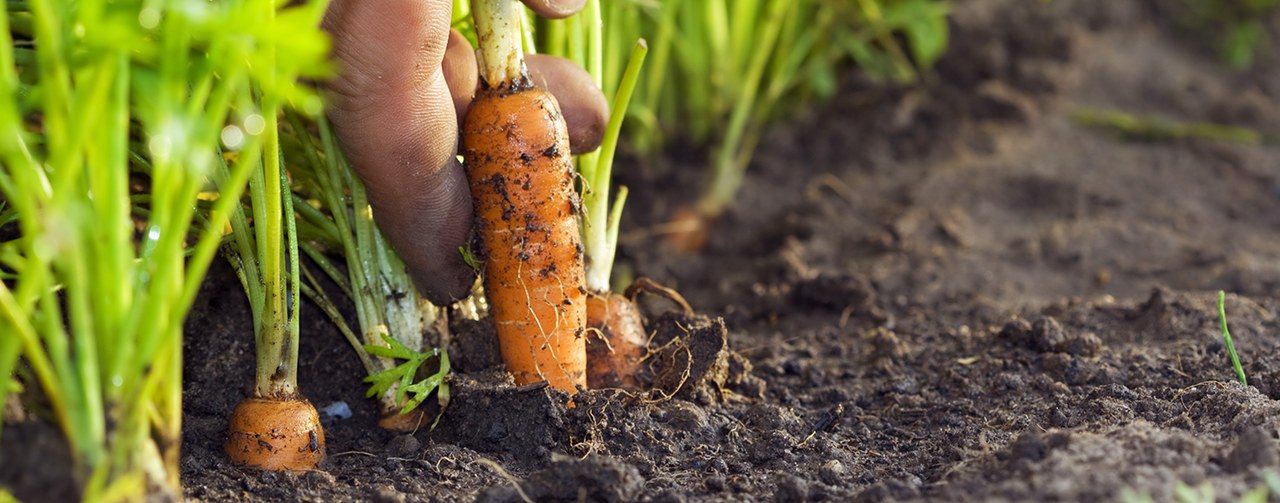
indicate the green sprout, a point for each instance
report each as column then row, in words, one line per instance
column 742, row 64
column 1236, row 27
column 400, row 379
column 265, row 259
column 470, row 258
column 1226, row 338
column 110, row 119
column 388, row 306
column 790, row 50
column 1138, row 128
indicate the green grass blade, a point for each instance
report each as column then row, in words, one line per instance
column 1226, row 338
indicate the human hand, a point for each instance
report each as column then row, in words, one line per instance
column 405, row 82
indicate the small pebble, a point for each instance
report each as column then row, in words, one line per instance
column 832, row 472
column 337, row 410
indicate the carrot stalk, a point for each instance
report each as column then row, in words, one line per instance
column 600, row 228
column 275, row 428
column 501, row 56
column 516, row 150
column 617, row 342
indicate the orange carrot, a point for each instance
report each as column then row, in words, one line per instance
column 516, row 149
column 276, row 434
column 617, row 344
column 687, row 230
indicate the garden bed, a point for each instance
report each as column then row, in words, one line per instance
column 948, row 292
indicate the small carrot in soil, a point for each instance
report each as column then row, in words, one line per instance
column 687, row 230
column 516, row 149
column 275, row 428
column 275, row 434
column 617, row 345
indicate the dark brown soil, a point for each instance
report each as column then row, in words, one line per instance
column 941, row 293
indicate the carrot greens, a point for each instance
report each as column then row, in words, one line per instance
column 388, row 305
column 111, row 115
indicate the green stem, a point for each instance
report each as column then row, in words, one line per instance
column 1226, row 337
column 498, row 31
column 595, row 57
column 113, row 257
column 277, row 348
column 319, row 227
column 336, row 177
column 17, row 323
column 294, row 300
column 600, row 239
column 728, row 173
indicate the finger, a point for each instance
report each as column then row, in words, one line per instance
column 585, row 110
column 460, row 71
column 394, row 115
column 555, row 9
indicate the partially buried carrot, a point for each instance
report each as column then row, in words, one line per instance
column 516, row 150
column 275, row 428
column 275, row 434
column 617, row 345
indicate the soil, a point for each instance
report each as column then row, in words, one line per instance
column 943, row 292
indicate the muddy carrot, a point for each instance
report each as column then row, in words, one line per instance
column 516, row 150
column 275, row 433
column 617, row 345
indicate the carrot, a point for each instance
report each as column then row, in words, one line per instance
column 275, row 434
column 275, row 428
column 516, row 150
column 687, row 230
column 617, row 344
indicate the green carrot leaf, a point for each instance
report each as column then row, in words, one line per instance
column 404, row 374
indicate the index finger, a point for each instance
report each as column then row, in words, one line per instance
column 555, row 9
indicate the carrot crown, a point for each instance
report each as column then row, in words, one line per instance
column 500, row 56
